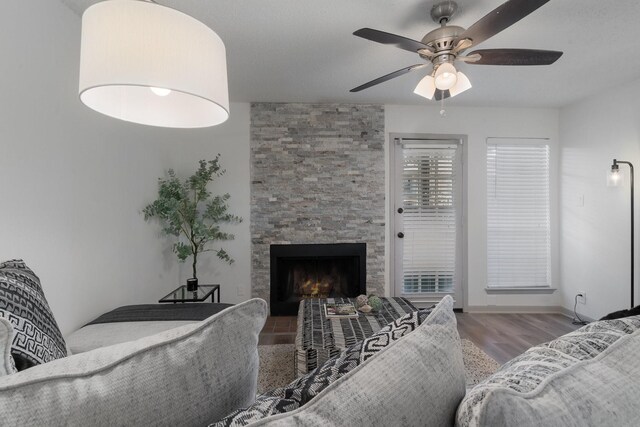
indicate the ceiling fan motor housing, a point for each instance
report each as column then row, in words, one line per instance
column 442, row 40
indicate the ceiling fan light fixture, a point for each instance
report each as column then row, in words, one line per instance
column 426, row 87
column 446, row 76
column 461, row 85
column 443, row 46
column 133, row 68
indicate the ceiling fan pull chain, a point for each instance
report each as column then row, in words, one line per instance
column 443, row 112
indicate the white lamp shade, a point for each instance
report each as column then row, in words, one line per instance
column 426, row 87
column 129, row 47
column 446, row 76
column 461, row 85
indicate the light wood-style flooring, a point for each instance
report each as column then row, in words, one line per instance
column 505, row 336
column 501, row 336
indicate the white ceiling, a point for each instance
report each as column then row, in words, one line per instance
column 303, row 51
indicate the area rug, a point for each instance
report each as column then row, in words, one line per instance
column 277, row 369
column 477, row 364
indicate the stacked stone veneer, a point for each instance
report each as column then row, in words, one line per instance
column 317, row 176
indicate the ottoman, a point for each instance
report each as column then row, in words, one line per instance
column 318, row 338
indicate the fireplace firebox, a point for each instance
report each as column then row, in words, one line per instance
column 315, row 271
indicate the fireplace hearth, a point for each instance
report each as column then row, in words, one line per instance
column 315, row 271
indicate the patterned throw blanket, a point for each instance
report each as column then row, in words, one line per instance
column 319, row 339
column 160, row 312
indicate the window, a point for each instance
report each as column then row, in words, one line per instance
column 428, row 197
column 518, row 228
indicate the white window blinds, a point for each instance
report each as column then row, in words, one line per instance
column 518, row 229
column 429, row 218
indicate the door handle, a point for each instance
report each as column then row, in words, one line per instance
column 401, row 235
column 400, row 210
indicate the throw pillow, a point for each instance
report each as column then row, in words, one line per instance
column 416, row 381
column 305, row 388
column 587, row 377
column 317, row 384
column 184, row 376
column 7, row 365
column 37, row 338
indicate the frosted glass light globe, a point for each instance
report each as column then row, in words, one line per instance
column 426, row 87
column 461, row 85
column 614, row 178
column 446, row 76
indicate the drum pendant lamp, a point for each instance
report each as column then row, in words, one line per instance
column 146, row 63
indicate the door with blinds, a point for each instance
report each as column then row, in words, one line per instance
column 428, row 219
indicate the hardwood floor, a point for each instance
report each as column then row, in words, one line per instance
column 279, row 330
column 505, row 336
column 501, row 336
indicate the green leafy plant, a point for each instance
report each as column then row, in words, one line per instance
column 187, row 210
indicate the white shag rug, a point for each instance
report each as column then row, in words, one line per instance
column 277, row 368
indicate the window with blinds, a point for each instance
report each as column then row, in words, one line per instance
column 518, row 227
column 429, row 219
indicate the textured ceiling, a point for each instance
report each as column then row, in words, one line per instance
column 302, row 51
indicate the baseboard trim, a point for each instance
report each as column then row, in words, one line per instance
column 538, row 290
column 569, row 313
column 510, row 309
column 514, row 309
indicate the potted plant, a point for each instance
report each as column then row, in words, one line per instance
column 187, row 210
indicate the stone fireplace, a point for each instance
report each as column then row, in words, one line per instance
column 317, row 177
column 315, row 271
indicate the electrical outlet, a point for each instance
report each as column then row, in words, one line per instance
column 240, row 290
column 582, row 297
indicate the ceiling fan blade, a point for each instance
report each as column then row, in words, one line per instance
column 388, row 77
column 392, row 39
column 441, row 94
column 500, row 18
column 515, row 57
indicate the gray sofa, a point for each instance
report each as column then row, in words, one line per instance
column 197, row 373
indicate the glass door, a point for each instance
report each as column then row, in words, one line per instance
column 427, row 224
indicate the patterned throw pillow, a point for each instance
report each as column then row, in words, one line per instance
column 305, row 388
column 527, row 374
column 7, row 364
column 37, row 338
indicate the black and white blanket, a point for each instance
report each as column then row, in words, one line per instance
column 160, row 312
column 318, row 339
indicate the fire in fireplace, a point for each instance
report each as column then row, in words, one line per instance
column 315, row 271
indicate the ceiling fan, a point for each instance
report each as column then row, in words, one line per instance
column 444, row 46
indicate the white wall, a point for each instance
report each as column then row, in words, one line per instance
column 595, row 252
column 479, row 124
column 73, row 182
